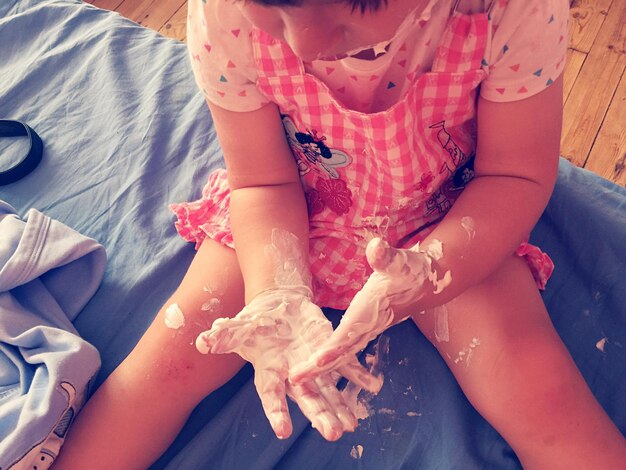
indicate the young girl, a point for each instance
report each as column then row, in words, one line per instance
column 351, row 131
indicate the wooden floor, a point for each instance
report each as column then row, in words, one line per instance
column 594, row 127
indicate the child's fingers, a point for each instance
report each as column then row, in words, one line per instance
column 368, row 315
column 401, row 265
column 220, row 342
column 351, row 370
column 270, row 386
column 336, row 402
column 225, row 336
column 379, row 254
column 344, row 344
column 384, row 258
column 313, row 405
column 347, row 340
column 331, row 356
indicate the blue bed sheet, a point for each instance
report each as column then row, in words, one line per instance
column 126, row 132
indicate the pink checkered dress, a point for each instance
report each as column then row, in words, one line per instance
column 393, row 173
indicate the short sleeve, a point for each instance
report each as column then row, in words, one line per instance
column 528, row 48
column 220, row 50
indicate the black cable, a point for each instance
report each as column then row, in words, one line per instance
column 33, row 156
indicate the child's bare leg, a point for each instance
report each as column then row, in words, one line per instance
column 513, row 367
column 140, row 408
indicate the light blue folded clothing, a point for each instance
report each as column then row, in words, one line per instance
column 48, row 272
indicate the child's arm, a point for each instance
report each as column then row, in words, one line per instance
column 265, row 188
column 515, row 171
column 280, row 324
column 521, row 378
column 515, row 168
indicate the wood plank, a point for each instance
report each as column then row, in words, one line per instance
column 107, row 4
column 573, row 64
column 595, row 86
column 586, row 19
column 176, row 26
column 608, row 156
column 150, row 13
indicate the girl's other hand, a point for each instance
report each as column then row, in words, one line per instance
column 398, row 280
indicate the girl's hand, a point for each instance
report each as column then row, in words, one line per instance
column 277, row 330
column 398, row 280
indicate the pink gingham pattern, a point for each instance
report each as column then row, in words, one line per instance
column 393, row 173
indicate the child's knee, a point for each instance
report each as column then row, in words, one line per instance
column 166, row 358
column 532, row 374
column 185, row 374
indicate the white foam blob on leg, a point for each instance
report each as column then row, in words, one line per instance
column 468, row 224
column 174, row 317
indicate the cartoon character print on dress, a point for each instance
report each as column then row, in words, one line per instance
column 311, row 151
column 459, row 168
column 317, row 164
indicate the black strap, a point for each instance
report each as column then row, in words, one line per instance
column 32, row 158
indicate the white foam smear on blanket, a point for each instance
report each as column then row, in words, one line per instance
column 174, row 317
column 356, row 452
column 375, row 362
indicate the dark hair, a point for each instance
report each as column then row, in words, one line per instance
column 362, row 5
column 303, row 138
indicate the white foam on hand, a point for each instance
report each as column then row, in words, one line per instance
column 278, row 329
column 399, row 278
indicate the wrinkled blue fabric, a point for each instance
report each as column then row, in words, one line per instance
column 48, row 272
column 127, row 132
